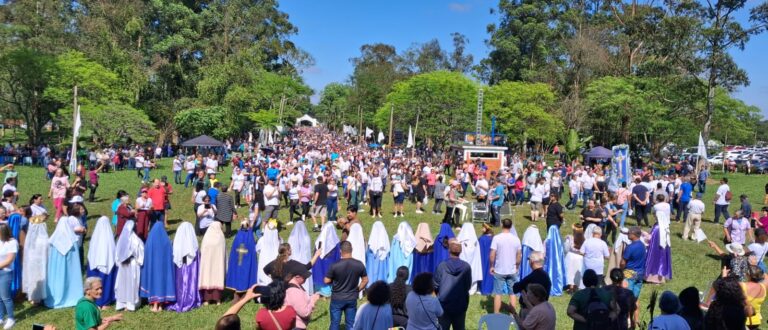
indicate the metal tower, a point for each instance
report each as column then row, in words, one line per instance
column 479, row 118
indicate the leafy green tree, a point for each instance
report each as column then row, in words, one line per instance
column 112, row 123
column 376, row 70
column 524, row 109
column 205, row 120
column 333, row 108
column 436, row 104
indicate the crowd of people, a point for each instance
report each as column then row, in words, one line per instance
column 411, row 279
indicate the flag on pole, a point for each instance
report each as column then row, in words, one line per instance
column 75, row 132
column 250, row 137
column 368, row 132
column 270, row 141
column 702, row 152
column 410, row 138
column 381, row 136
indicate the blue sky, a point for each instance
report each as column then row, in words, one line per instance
column 333, row 31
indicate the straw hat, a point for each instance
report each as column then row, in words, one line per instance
column 735, row 248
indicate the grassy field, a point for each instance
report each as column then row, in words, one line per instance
column 693, row 264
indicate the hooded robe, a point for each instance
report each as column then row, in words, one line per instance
column 186, row 259
column 64, row 286
column 554, row 261
column 617, row 253
column 486, row 285
column 129, row 256
column 301, row 249
column 243, row 266
column 658, row 260
column 212, row 262
column 470, row 252
column 158, row 275
column 35, row 259
column 401, row 251
column 377, row 256
column 423, row 255
column 441, row 244
column 531, row 242
column 101, row 260
column 328, row 243
column 357, row 240
column 14, row 224
column 574, row 261
column 267, row 247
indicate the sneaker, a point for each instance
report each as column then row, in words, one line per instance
column 9, row 323
column 289, row 223
column 419, row 211
column 315, row 229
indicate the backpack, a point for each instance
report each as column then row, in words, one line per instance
column 728, row 196
column 597, row 312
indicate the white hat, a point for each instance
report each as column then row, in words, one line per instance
column 76, row 199
column 735, row 248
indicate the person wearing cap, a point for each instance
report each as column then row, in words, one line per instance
column 669, row 305
column 296, row 296
column 143, row 210
column 694, row 210
column 737, row 228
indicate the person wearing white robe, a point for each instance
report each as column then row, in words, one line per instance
column 213, row 264
column 531, row 242
column 401, row 251
column 470, row 253
column 301, row 249
column 267, row 247
column 101, row 259
column 35, row 257
column 377, row 254
column 129, row 256
column 64, row 281
column 358, row 242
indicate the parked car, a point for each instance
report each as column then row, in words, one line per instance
column 715, row 160
column 761, row 167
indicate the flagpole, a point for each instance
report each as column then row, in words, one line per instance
column 75, row 115
column 391, row 117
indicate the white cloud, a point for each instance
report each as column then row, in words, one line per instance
column 459, row 7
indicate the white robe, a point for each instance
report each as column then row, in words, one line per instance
column 129, row 256
column 101, row 251
column 301, row 249
column 35, row 261
column 185, row 244
column 267, row 247
column 358, row 242
column 378, row 242
column 470, row 252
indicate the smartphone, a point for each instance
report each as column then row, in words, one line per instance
column 207, row 206
column 38, row 327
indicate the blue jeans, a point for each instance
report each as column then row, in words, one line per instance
column 682, row 209
column 721, row 209
column 587, row 196
column 572, row 202
column 177, row 177
column 348, row 307
column 146, row 174
column 702, row 186
column 6, row 307
column 331, row 206
column 624, row 207
column 635, row 284
column 190, row 178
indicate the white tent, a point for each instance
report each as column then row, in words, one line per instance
column 306, row 119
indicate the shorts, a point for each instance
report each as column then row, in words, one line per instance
column 535, row 206
column 502, row 284
column 318, row 210
column 400, row 198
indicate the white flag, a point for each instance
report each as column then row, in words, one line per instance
column 368, row 132
column 381, row 136
column 75, row 132
column 250, row 137
column 270, row 141
column 410, row 138
column 78, row 123
column 700, row 236
column 702, row 152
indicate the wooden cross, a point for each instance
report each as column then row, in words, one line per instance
column 241, row 251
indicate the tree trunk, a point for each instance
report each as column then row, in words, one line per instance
column 711, row 87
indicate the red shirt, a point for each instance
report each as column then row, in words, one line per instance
column 286, row 318
column 158, row 196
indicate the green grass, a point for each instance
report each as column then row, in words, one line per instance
column 691, row 264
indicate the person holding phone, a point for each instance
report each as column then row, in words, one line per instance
column 206, row 212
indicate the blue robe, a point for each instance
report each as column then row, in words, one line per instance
column 554, row 263
column 422, row 263
column 525, row 267
column 441, row 245
column 158, row 274
column 396, row 259
column 486, row 285
column 377, row 269
column 14, row 223
column 242, row 269
column 64, row 286
column 107, row 281
column 321, row 267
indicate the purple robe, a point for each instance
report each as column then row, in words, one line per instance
column 658, row 261
column 321, row 267
column 187, row 294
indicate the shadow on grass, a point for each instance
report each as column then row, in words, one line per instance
column 714, row 256
column 29, row 311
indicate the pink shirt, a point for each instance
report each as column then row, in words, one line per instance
column 59, row 186
column 301, row 303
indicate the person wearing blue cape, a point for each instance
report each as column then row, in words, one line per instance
column 158, row 276
column 486, row 285
column 423, row 254
column 401, row 250
column 328, row 243
column 242, row 270
column 101, row 260
column 17, row 224
column 64, row 285
column 377, row 256
column 554, row 261
column 531, row 242
column 440, row 253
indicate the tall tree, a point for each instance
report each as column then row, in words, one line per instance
column 376, row 70
column 524, row 110
column 333, row 107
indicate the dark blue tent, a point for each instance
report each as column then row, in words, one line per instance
column 597, row 154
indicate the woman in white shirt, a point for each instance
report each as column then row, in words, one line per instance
column 537, row 196
column 375, row 190
column 8, row 249
column 206, row 212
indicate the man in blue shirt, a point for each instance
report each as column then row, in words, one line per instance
column 683, row 198
column 703, row 175
column 634, row 261
column 273, row 171
column 497, row 200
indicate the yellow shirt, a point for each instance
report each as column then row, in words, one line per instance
column 755, row 302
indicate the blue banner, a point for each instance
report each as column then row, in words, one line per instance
column 621, row 170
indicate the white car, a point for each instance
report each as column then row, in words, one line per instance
column 715, row 160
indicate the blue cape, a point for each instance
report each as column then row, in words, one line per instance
column 486, row 285
column 554, row 263
column 158, row 274
column 14, row 222
column 243, row 266
column 441, row 244
column 377, row 269
column 396, row 259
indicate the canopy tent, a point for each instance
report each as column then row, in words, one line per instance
column 306, row 120
column 597, row 153
column 202, row 141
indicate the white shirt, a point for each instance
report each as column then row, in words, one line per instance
column 237, row 181
column 190, row 166
column 537, row 193
column 574, row 186
column 139, row 162
column 271, row 196
column 721, row 191
column 506, row 246
column 482, row 187
column 595, row 251
column 6, row 248
column 199, row 196
column 759, row 250
column 38, row 210
column 206, row 215
column 587, row 181
column 176, row 164
column 696, row 206
column 144, row 203
column 211, row 165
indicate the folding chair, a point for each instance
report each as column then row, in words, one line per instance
column 480, row 212
column 497, row 322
